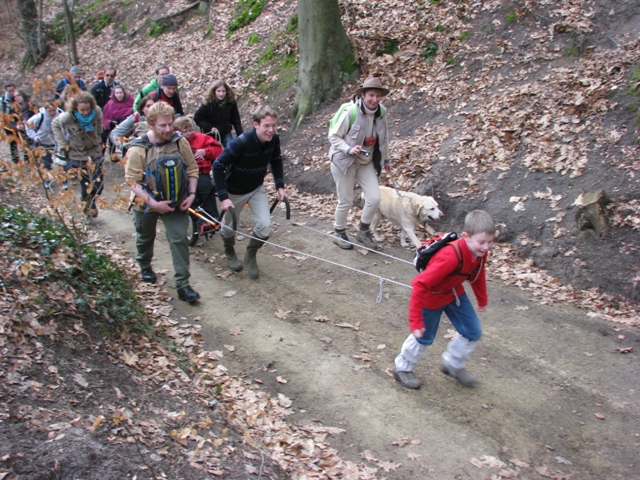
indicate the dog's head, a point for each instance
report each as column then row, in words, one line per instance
column 427, row 209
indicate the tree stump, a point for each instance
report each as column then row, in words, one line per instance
column 592, row 212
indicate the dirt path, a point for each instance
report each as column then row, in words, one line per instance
column 555, row 395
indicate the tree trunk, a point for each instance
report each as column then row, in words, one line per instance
column 326, row 56
column 34, row 41
column 71, row 35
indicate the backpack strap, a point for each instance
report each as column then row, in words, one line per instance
column 458, row 271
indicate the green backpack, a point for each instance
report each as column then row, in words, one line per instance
column 166, row 172
column 353, row 111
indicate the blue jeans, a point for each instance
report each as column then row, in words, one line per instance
column 463, row 318
column 226, row 139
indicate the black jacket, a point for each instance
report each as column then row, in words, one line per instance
column 102, row 92
column 221, row 117
column 174, row 101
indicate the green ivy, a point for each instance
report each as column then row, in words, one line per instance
column 293, row 24
column 430, row 51
column 253, row 39
column 389, row 48
column 246, row 12
column 101, row 290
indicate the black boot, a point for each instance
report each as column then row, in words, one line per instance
column 230, row 253
column 250, row 256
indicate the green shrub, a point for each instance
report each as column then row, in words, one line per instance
column 159, row 27
column 253, row 39
column 246, row 12
column 511, row 17
column 98, row 23
column 389, row 48
column 293, row 24
column 464, row 35
column 430, row 51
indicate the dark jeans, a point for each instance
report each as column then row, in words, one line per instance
column 46, row 159
column 91, row 178
column 206, row 196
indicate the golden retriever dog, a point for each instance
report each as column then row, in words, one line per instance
column 407, row 210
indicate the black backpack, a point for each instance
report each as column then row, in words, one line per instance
column 432, row 246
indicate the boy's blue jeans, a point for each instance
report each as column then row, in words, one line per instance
column 462, row 317
column 466, row 322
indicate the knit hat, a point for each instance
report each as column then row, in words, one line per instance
column 169, row 80
column 372, row 82
column 75, row 70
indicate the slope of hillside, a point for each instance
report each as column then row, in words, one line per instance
column 514, row 107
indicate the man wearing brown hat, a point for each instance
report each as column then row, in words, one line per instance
column 168, row 93
column 359, row 149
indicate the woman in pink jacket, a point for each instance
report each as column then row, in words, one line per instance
column 118, row 108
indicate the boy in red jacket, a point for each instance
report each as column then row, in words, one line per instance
column 205, row 150
column 439, row 289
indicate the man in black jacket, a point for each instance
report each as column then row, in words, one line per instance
column 239, row 177
column 101, row 91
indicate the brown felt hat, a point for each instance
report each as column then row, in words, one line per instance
column 372, row 82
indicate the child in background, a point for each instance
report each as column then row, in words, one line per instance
column 205, row 150
column 439, row 289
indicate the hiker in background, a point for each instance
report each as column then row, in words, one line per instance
column 147, row 153
column 439, row 289
column 134, row 125
column 40, row 131
column 21, row 110
column 101, row 90
column 239, row 177
column 219, row 112
column 118, row 108
column 152, row 86
column 168, row 93
column 70, row 84
column 6, row 105
column 359, row 149
column 205, row 150
column 77, row 133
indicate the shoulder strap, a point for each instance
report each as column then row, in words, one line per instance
column 458, row 249
column 39, row 122
column 353, row 112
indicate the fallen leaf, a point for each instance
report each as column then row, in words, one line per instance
column 80, row 380
column 235, row 331
column 231, row 348
column 282, row 314
column 280, row 380
column 230, row 293
column 600, row 416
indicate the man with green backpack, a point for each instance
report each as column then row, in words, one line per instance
column 162, row 173
column 359, row 137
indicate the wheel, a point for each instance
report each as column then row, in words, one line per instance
column 192, row 231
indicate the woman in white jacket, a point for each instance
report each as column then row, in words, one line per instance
column 39, row 130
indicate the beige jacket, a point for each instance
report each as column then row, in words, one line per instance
column 82, row 144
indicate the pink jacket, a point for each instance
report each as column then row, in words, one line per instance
column 115, row 110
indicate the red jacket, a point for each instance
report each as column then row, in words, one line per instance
column 433, row 288
column 212, row 148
